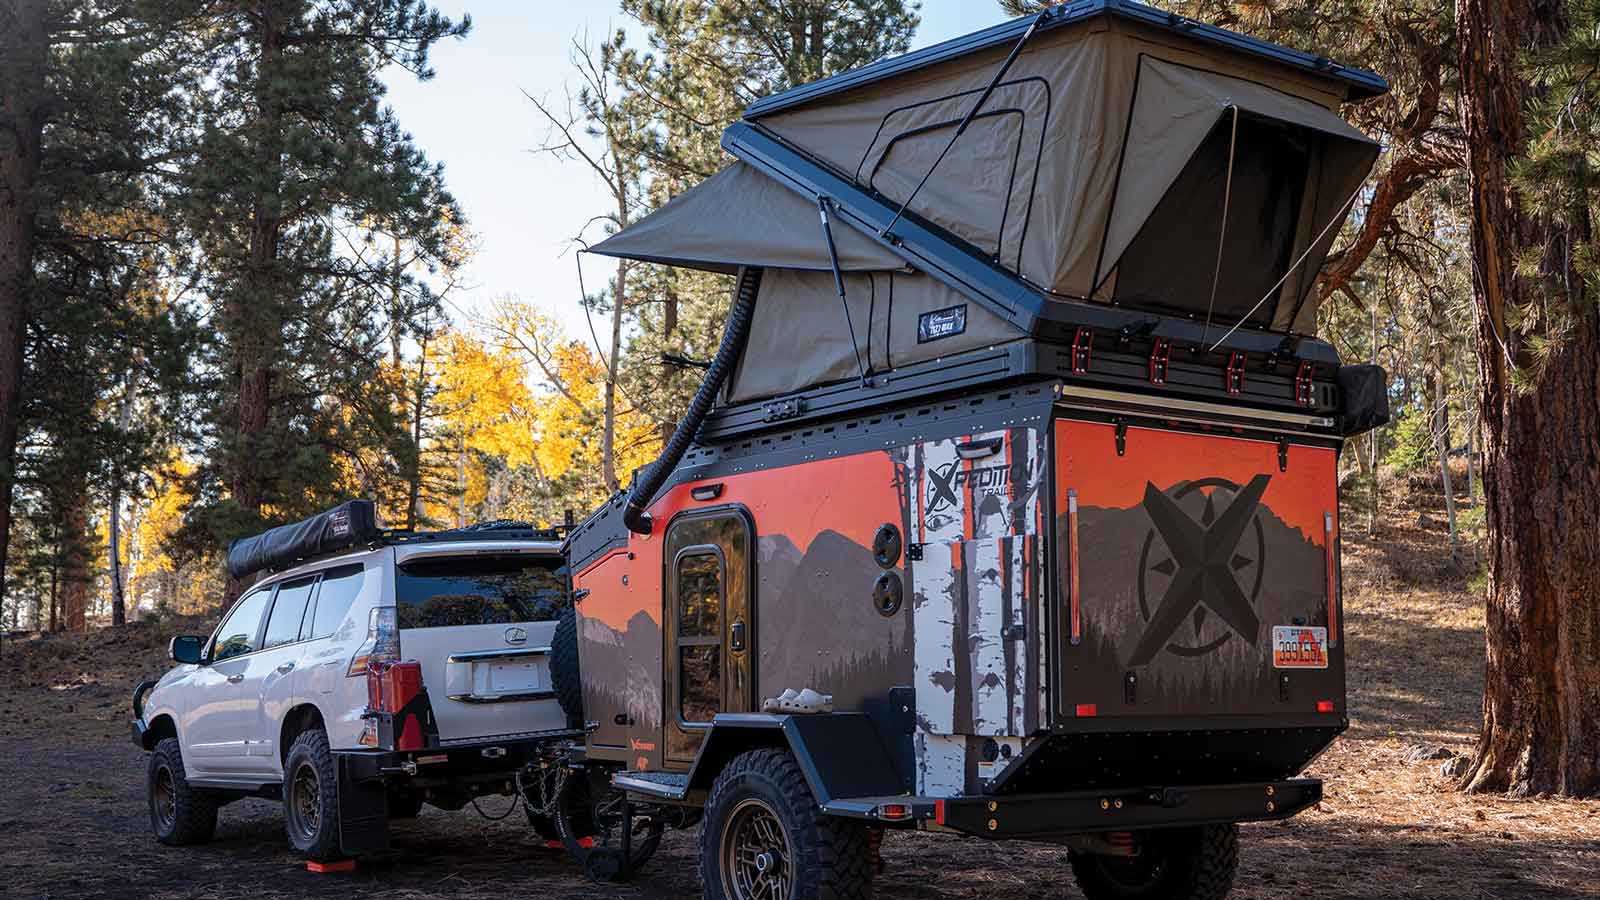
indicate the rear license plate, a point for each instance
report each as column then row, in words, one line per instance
column 511, row 676
column 1299, row 647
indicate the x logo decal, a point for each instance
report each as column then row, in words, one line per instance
column 1204, row 575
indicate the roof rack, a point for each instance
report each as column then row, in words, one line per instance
column 497, row 530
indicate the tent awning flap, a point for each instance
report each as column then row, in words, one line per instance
column 741, row 217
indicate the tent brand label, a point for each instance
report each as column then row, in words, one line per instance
column 339, row 523
column 941, row 323
column 1299, row 647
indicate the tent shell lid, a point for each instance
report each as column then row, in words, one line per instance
column 1359, row 84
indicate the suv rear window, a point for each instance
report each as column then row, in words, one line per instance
column 442, row 591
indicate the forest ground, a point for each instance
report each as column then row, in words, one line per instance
column 73, row 822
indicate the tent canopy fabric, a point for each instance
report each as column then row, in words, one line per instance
column 740, row 217
column 1118, row 161
column 1075, row 149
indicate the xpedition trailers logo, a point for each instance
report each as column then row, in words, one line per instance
column 987, row 485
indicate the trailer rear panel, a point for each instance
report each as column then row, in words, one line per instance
column 1197, row 578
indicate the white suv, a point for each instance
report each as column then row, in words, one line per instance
column 275, row 702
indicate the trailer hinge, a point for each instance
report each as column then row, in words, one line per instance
column 1283, row 686
column 1130, row 688
column 1233, row 381
column 1283, row 453
column 1302, row 382
column 1122, row 437
column 1082, row 350
column 914, row 552
column 1160, row 353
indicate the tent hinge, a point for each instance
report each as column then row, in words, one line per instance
column 1082, row 350
column 1283, row 453
column 1122, row 436
column 1234, row 380
column 1302, row 382
column 1160, row 354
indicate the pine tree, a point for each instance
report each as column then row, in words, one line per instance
column 1529, row 75
column 299, row 167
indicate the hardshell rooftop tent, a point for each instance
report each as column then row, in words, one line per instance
column 1127, row 160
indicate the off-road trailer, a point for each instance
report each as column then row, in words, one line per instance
column 1008, row 506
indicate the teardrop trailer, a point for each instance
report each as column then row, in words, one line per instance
column 1008, row 507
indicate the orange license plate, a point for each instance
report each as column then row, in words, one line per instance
column 1299, row 647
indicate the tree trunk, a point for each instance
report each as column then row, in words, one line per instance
column 1541, row 440
column 119, row 607
column 418, row 405
column 24, row 50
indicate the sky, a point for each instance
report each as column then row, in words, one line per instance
column 525, row 207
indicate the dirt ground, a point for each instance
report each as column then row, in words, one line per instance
column 73, row 822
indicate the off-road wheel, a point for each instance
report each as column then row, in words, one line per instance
column 764, row 836
column 564, row 674
column 179, row 814
column 1174, row 864
column 311, row 797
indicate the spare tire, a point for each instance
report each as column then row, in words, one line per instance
column 564, row 673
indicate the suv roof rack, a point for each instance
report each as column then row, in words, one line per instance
column 496, row 530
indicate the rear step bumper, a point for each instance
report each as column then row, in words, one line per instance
column 453, row 759
column 1130, row 809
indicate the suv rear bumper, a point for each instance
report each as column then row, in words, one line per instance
column 1080, row 812
column 453, row 760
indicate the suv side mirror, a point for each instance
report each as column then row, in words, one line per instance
column 187, row 648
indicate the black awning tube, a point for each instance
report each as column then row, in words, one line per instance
column 734, row 335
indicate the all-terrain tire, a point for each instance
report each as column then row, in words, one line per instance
column 1177, row 864
column 179, row 814
column 564, row 674
column 311, row 797
column 825, row 858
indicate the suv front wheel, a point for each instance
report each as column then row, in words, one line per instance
column 311, row 797
column 179, row 814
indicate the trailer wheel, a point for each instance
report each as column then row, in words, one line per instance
column 179, row 814
column 1180, row 864
column 311, row 797
column 564, row 675
column 765, row 836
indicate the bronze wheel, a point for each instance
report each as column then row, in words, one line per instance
column 304, row 808
column 757, row 857
column 164, row 799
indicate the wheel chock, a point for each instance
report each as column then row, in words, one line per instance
column 325, row 868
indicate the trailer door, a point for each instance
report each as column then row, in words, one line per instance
column 709, row 629
column 1197, row 575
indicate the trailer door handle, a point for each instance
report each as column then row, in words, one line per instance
column 980, row 449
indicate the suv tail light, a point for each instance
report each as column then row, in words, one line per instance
column 382, row 643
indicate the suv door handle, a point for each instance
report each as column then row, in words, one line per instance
column 235, row 679
column 286, row 668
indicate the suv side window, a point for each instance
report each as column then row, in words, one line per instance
column 338, row 591
column 283, row 623
column 240, row 631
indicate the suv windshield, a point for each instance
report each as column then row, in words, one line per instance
column 441, row 591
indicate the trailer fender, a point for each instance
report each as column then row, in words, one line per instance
column 841, row 754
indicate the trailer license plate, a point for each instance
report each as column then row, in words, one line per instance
column 1299, row 647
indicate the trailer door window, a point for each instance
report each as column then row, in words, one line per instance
column 700, row 580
